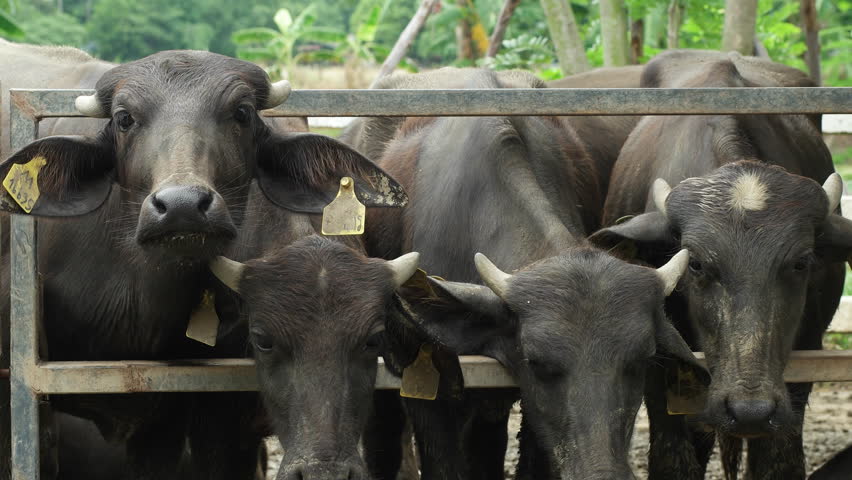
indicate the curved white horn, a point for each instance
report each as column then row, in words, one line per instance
column 833, row 187
column 496, row 279
column 278, row 92
column 671, row 272
column 89, row 106
column 661, row 191
column 228, row 272
column 403, row 268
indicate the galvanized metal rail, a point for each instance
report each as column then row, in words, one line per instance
column 521, row 101
column 31, row 377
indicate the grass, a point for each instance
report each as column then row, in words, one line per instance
column 327, row 131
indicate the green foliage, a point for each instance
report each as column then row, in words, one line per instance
column 277, row 48
column 121, row 30
column 55, row 29
column 145, row 28
column 523, row 52
column 9, row 27
column 777, row 28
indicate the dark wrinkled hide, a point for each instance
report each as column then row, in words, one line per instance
column 173, row 187
column 766, row 264
column 838, row 468
column 84, row 454
column 518, row 189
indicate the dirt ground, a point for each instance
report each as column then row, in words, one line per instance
column 828, row 429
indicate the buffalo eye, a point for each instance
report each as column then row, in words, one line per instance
column 696, row 267
column 124, row 120
column 243, row 114
column 262, row 341
column 802, row 264
column 374, row 342
column 544, row 370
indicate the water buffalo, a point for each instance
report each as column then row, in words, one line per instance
column 603, row 136
column 766, row 268
column 157, row 190
column 520, row 190
column 577, row 331
column 604, row 77
column 320, row 313
column 838, row 468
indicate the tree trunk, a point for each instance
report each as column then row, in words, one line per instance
column 614, row 32
column 406, row 38
column 565, row 37
column 464, row 36
column 811, row 28
column 500, row 28
column 675, row 20
column 738, row 33
column 637, row 41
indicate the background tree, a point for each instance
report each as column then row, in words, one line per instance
column 675, row 20
column 738, row 33
column 613, row 16
column 570, row 49
column 496, row 40
column 811, row 26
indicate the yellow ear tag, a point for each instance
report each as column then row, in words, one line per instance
column 420, row 379
column 687, row 395
column 204, row 323
column 22, row 182
column 345, row 214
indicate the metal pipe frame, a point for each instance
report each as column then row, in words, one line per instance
column 31, row 377
column 519, row 101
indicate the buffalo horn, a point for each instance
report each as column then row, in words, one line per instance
column 661, row 191
column 278, row 92
column 496, row 279
column 404, row 267
column 671, row 272
column 228, row 272
column 833, row 187
column 89, row 106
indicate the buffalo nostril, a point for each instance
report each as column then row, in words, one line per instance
column 158, row 205
column 751, row 412
column 205, row 202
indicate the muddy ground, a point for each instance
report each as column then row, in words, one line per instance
column 828, row 429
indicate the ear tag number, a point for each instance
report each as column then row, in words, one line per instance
column 345, row 214
column 204, row 323
column 420, row 379
column 687, row 395
column 22, row 182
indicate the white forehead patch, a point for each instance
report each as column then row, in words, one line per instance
column 748, row 193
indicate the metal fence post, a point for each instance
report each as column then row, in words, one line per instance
column 23, row 331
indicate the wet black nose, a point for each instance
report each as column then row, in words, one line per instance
column 751, row 413
column 184, row 213
column 182, row 202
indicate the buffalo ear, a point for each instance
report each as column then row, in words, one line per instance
column 75, row 179
column 650, row 228
column 404, row 336
column 468, row 319
column 671, row 344
column 302, row 172
column 835, row 241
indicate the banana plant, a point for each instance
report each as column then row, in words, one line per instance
column 9, row 28
column 276, row 49
column 354, row 49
